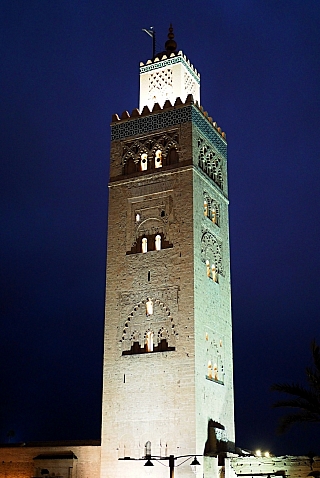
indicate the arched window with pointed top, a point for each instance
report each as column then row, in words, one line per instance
column 144, row 244
column 158, row 242
column 210, row 370
column 214, row 273
column 158, row 159
column 130, row 166
column 144, row 162
column 149, row 307
column 208, row 268
column 213, row 215
column 205, row 208
column 147, row 448
column 172, row 157
column 215, row 372
column 211, row 209
column 149, row 341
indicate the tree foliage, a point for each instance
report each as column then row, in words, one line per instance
column 306, row 401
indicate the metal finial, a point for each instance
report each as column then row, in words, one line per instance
column 170, row 44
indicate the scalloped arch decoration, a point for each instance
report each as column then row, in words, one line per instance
column 211, row 250
column 138, row 324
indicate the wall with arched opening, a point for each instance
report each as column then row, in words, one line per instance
column 148, row 328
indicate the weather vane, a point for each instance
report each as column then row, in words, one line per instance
column 151, row 32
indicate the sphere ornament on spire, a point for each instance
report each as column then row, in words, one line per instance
column 171, row 44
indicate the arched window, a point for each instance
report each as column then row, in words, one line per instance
column 213, row 215
column 205, row 208
column 149, row 307
column 215, row 372
column 144, row 244
column 173, row 156
column 158, row 159
column 147, row 448
column 214, row 273
column 137, row 217
column 149, row 341
column 130, row 166
column 144, row 162
column 209, row 369
column 158, row 242
column 208, row 268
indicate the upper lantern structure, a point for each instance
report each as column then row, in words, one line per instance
column 168, row 76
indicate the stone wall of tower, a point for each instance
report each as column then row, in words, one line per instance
column 154, row 393
column 213, row 336
column 212, row 298
column 156, row 397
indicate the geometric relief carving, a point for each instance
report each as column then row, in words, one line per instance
column 166, row 119
column 209, row 162
column 150, row 123
column 209, row 132
column 149, row 327
column 189, row 84
column 214, row 358
column 160, row 85
column 151, row 152
column 168, row 294
column 211, row 250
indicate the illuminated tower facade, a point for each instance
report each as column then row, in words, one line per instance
column 168, row 369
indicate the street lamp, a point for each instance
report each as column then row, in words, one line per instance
column 172, row 459
column 194, row 464
column 148, row 462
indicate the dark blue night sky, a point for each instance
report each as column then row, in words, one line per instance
column 66, row 67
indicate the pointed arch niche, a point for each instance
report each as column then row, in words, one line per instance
column 211, row 209
column 211, row 254
column 214, row 358
column 150, row 153
column 151, row 235
column 148, row 333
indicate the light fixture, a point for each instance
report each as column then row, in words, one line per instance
column 194, row 465
column 148, row 463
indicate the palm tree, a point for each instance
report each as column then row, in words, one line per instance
column 306, row 400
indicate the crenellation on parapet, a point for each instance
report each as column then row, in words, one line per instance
column 175, row 56
column 126, row 116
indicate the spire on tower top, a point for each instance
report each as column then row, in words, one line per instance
column 170, row 44
column 167, row 76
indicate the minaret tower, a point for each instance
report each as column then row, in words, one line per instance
column 168, row 372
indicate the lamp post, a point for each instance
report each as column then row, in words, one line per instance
column 171, row 459
column 171, row 466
